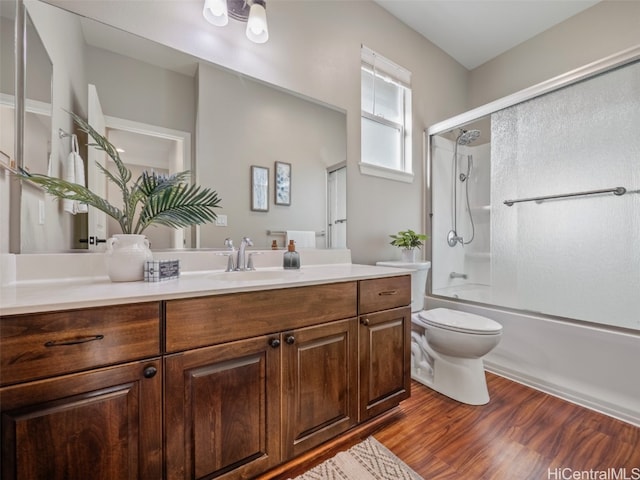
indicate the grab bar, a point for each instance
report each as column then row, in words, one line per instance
column 616, row 191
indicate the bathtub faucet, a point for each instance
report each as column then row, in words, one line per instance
column 458, row 275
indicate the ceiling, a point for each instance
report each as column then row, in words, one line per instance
column 475, row 31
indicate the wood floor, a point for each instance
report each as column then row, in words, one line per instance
column 521, row 434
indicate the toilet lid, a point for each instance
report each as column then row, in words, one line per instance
column 459, row 321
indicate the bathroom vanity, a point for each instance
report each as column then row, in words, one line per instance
column 199, row 378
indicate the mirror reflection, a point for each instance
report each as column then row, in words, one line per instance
column 7, row 74
column 170, row 111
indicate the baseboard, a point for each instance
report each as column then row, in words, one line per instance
column 577, row 398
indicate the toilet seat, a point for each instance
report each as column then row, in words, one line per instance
column 459, row 321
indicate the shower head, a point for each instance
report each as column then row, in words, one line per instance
column 467, row 136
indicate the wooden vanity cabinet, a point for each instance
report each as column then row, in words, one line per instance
column 237, row 408
column 320, row 384
column 225, row 386
column 222, row 411
column 98, row 423
column 385, row 344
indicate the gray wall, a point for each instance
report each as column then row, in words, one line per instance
column 242, row 122
column 602, row 30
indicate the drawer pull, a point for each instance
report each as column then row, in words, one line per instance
column 150, row 372
column 365, row 322
column 290, row 339
column 274, row 343
column 77, row 341
column 388, row 292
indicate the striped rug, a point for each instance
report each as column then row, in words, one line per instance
column 368, row 460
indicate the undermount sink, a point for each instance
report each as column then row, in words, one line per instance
column 257, row 275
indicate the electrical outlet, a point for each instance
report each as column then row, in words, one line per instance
column 221, row 221
column 41, row 212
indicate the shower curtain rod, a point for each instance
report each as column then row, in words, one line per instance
column 616, row 191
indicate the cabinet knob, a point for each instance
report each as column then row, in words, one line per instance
column 364, row 321
column 150, row 372
column 274, row 342
column 290, row 339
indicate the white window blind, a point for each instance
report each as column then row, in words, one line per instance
column 385, row 117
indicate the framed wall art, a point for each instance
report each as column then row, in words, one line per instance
column 259, row 189
column 283, row 183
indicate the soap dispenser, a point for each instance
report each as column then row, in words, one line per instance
column 291, row 257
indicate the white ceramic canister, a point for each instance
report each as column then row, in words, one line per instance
column 125, row 257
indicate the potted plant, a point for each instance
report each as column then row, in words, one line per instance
column 151, row 199
column 408, row 241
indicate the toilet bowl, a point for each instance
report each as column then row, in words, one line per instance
column 447, row 345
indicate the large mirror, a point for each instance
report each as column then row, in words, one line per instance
column 35, row 118
column 170, row 111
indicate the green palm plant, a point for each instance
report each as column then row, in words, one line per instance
column 152, row 198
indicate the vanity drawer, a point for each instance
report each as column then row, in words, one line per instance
column 384, row 293
column 42, row 345
column 198, row 322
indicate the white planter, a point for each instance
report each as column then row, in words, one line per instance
column 125, row 257
column 409, row 255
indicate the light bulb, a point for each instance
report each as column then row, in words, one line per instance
column 257, row 30
column 215, row 11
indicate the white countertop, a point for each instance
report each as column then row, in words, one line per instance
column 42, row 296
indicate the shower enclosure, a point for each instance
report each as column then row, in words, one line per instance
column 536, row 199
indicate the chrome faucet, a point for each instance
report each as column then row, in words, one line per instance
column 458, row 275
column 241, row 264
column 231, row 266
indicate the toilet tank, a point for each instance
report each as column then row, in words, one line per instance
column 418, row 280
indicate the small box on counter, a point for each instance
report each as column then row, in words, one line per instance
column 161, row 270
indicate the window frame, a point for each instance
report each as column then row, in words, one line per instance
column 403, row 81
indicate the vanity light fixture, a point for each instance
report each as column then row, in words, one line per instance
column 217, row 12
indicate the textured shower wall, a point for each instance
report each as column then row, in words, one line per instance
column 574, row 257
column 472, row 259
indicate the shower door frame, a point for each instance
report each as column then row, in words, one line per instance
column 585, row 72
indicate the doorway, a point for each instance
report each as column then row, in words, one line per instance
column 337, row 206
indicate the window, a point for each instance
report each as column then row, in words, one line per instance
column 385, row 118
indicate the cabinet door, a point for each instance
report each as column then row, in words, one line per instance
column 101, row 424
column 320, row 384
column 222, row 410
column 385, row 360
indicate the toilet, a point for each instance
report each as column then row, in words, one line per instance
column 447, row 345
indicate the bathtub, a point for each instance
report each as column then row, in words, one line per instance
column 588, row 364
